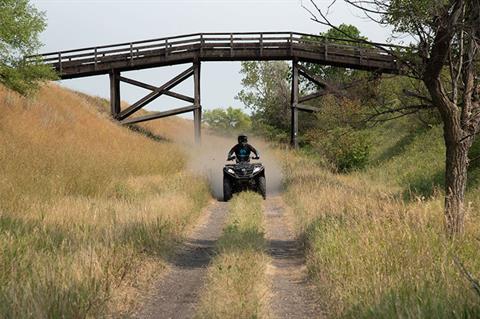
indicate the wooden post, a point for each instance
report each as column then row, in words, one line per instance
column 60, row 62
column 131, row 53
column 115, row 93
column 95, row 59
column 294, row 101
column 197, row 113
column 261, row 44
column 291, row 44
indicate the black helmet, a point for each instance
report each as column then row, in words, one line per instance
column 242, row 138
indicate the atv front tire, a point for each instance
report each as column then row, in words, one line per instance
column 262, row 187
column 227, row 189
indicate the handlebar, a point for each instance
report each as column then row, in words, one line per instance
column 231, row 158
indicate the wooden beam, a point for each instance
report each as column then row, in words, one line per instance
column 307, row 108
column 153, row 88
column 311, row 96
column 320, row 82
column 115, row 107
column 294, row 102
column 315, row 79
column 155, row 94
column 158, row 115
column 197, row 113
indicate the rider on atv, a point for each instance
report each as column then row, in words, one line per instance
column 242, row 150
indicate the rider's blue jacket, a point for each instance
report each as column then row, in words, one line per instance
column 242, row 151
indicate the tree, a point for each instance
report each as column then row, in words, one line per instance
column 227, row 120
column 20, row 26
column 445, row 57
column 336, row 75
column 267, row 93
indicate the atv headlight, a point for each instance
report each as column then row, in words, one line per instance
column 231, row 171
column 256, row 169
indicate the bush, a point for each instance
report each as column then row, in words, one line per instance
column 346, row 148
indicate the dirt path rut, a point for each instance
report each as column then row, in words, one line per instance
column 177, row 293
column 291, row 294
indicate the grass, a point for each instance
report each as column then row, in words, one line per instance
column 408, row 157
column 88, row 209
column 411, row 157
column 373, row 254
column 236, row 286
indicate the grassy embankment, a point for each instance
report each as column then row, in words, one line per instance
column 236, row 284
column 88, row 209
column 375, row 252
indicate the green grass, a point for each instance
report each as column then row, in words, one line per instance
column 411, row 157
column 374, row 253
column 236, row 286
column 416, row 164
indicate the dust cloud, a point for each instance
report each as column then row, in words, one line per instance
column 209, row 158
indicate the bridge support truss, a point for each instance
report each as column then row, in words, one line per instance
column 124, row 116
column 297, row 100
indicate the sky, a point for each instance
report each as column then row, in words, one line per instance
column 74, row 24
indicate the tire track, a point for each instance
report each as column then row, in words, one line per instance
column 177, row 293
column 292, row 296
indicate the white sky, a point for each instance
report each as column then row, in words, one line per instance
column 74, row 24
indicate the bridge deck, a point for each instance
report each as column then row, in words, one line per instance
column 221, row 47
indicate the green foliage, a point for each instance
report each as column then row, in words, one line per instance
column 393, row 97
column 474, row 165
column 267, row 93
column 20, row 26
column 346, row 148
column 408, row 15
column 228, row 120
column 410, row 156
column 335, row 74
column 336, row 135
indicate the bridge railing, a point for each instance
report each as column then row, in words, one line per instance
column 210, row 41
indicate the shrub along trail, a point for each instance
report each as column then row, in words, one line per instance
column 292, row 296
column 176, row 294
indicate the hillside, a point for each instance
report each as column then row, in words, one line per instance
column 89, row 209
column 411, row 156
column 376, row 246
column 92, row 212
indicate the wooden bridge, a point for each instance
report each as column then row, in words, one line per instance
column 195, row 48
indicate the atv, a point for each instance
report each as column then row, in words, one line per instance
column 243, row 176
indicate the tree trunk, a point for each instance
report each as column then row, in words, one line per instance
column 455, row 181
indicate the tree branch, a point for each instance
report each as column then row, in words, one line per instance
column 325, row 21
column 411, row 109
column 474, row 282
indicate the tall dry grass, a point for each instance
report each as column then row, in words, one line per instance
column 374, row 255
column 236, row 284
column 88, row 209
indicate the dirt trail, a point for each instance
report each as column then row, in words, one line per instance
column 292, row 295
column 177, row 292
